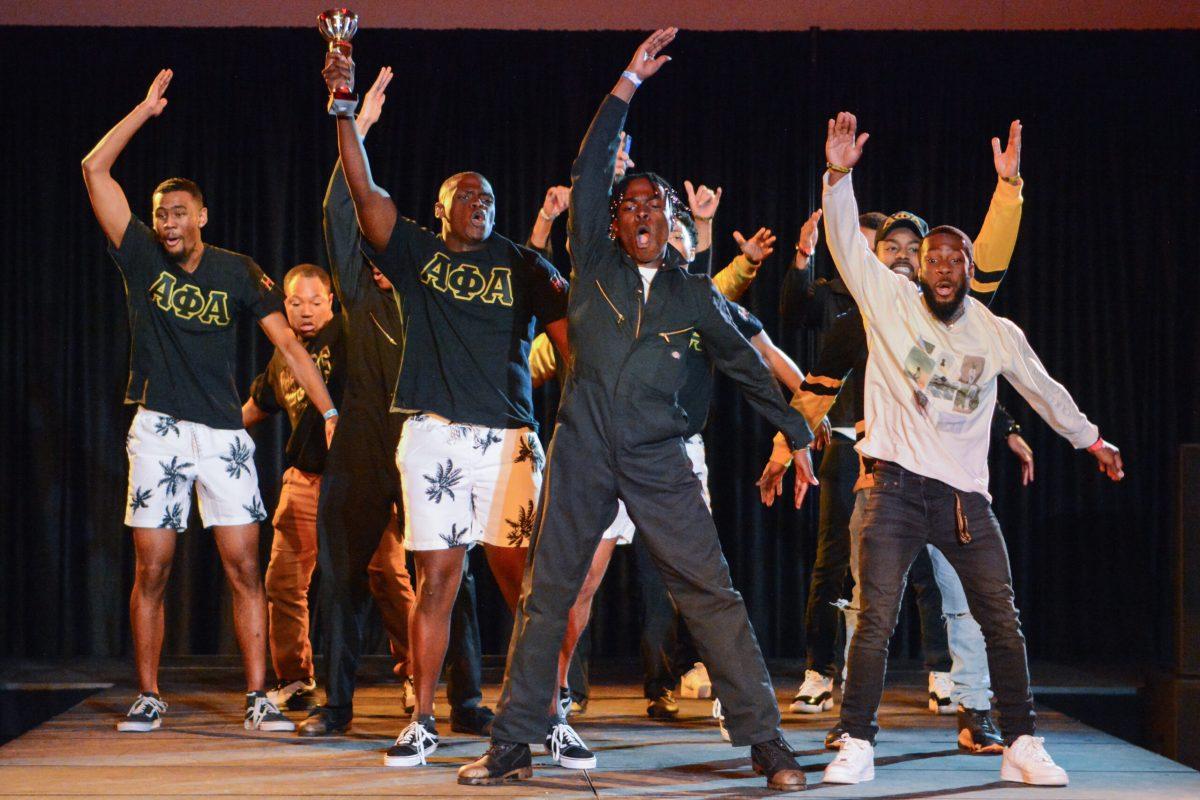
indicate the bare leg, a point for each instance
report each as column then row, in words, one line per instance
column 154, row 549
column 439, row 573
column 238, row 546
column 581, row 612
column 508, row 567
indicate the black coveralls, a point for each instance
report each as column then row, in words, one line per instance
column 361, row 482
column 619, row 435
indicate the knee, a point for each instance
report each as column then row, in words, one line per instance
column 242, row 572
column 150, row 577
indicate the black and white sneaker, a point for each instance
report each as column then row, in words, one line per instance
column 144, row 715
column 294, row 695
column 414, row 744
column 566, row 748
column 263, row 715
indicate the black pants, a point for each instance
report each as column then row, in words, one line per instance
column 935, row 644
column 906, row 511
column 838, row 472
column 666, row 647
column 585, row 475
column 358, row 488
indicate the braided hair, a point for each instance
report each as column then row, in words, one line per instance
column 668, row 192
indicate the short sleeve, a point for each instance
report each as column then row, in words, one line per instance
column 548, row 289
column 139, row 255
column 260, row 295
column 395, row 260
column 746, row 323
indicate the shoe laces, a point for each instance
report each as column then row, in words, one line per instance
column 814, row 683
column 1035, row 748
column 563, row 736
column 416, row 736
column 718, row 712
column 145, row 703
column 849, row 746
column 262, row 708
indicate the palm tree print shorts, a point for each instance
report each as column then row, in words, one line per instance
column 464, row 484
column 168, row 455
column 622, row 528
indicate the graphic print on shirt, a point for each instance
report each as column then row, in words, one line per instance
column 189, row 301
column 294, row 395
column 467, row 282
column 943, row 384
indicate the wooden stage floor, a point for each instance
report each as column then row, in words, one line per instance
column 203, row 751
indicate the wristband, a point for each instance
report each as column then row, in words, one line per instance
column 829, row 165
column 632, row 78
column 330, row 414
column 701, row 219
column 1096, row 445
column 1013, row 430
column 542, row 213
column 800, row 250
column 1015, row 181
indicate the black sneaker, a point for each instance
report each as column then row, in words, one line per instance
column 144, row 715
column 503, row 761
column 294, row 695
column 414, row 744
column 777, row 761
column 323, row 721
column 476, row 720
column 663, row 706
column 833, row 739
column 977, row 732
column 263, row 715
column 566, row 748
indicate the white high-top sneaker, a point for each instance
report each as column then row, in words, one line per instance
column 695, row 683
column 940, row 687
column 855, row 762
column 815, row 694
column 1026, row 761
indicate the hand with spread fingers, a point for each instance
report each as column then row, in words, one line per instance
column 757, row 247
column 646, row 60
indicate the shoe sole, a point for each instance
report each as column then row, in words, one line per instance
column 139, row 727
column 518, row 774
column 867, row 775
column 800, row 707
column 1015, row 775
column 283, row 726
column 308, row 732
column 577, row 763
column 782, row 787
column 938, row 708
column 408, row 761
column 700, row 693
column 966, row 743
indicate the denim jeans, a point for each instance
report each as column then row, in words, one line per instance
column 904, row 513
column 968, row 652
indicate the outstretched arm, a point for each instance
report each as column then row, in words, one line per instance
column 998, row 237
column 108, row 198
column 374, row 207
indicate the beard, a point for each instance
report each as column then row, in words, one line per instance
column 946, row 312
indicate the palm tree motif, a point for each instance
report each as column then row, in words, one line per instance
column 173, row 474
column 138, row 498
column 171, row 517
column 166, row 425
column 456, row 433
column 530, row 450
column 235, row 462
column 256, row 510
column 442, row 482
column 521, row 529
column 483, row 442
column 455, row 537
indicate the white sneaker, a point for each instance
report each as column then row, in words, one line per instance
column 695, row 683
column 293, row 695
column 719, row 715
column 815, row 694
column 940, row 687
column 855, row 762
column 1026, row 761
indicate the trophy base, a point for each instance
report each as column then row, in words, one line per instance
column 342, row 105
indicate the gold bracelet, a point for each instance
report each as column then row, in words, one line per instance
column 829, row 165
column 1015, row 180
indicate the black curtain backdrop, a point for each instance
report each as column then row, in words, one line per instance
column 1103, row 280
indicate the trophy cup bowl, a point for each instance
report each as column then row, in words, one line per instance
column 338, row 26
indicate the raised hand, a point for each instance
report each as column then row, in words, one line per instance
column 373, row 100
column 556, row 202
column 702, row 202
column 646, row 59
column 338, row 71
column 156, row 99
column 843, row 143
column 1108, row 457
column 802, row 461
column 1008, row 161
column 1024, row 454
column 758, row 246
column 806, row 242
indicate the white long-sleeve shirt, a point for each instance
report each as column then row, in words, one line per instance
column 931, row 387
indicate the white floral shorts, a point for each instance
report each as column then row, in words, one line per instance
column 168, row 455
column 622, row 528
column 464, row 484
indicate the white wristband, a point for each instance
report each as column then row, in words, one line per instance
column 330, row 414
column 542, row 213
column 632, row 78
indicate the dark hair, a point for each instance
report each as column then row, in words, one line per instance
column 872, row 220
column 180, row 185
column 950, row 230
column 685, row 219
column 306, row 271
column 668, row 193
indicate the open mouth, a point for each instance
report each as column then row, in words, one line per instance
column 172, row 241
column 642, row 237
column 479, row 218
column 944, row 290
column 902, row 268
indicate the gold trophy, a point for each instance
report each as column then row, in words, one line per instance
column 338, row 26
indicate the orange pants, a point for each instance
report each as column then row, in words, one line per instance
column 289, row 574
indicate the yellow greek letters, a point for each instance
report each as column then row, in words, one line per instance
column 467, row 281
column 694, row 343
column 162, row 289
column 434, row 273
column 499, row 287
column 216, row 310
column 189, row 301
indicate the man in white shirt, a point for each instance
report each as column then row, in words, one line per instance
column 930, row 392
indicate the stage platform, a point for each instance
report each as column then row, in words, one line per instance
column 203, row 751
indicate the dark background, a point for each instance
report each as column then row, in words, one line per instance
column 1103, row 280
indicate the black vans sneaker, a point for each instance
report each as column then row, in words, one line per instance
column 503, row 761
column 414, row 744
column 566, row 748
column 263, row 715
column 144, row 715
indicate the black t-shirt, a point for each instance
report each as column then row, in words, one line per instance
column 182, row 326
column 696, row 393
column 468, row 320
column 276, row 389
